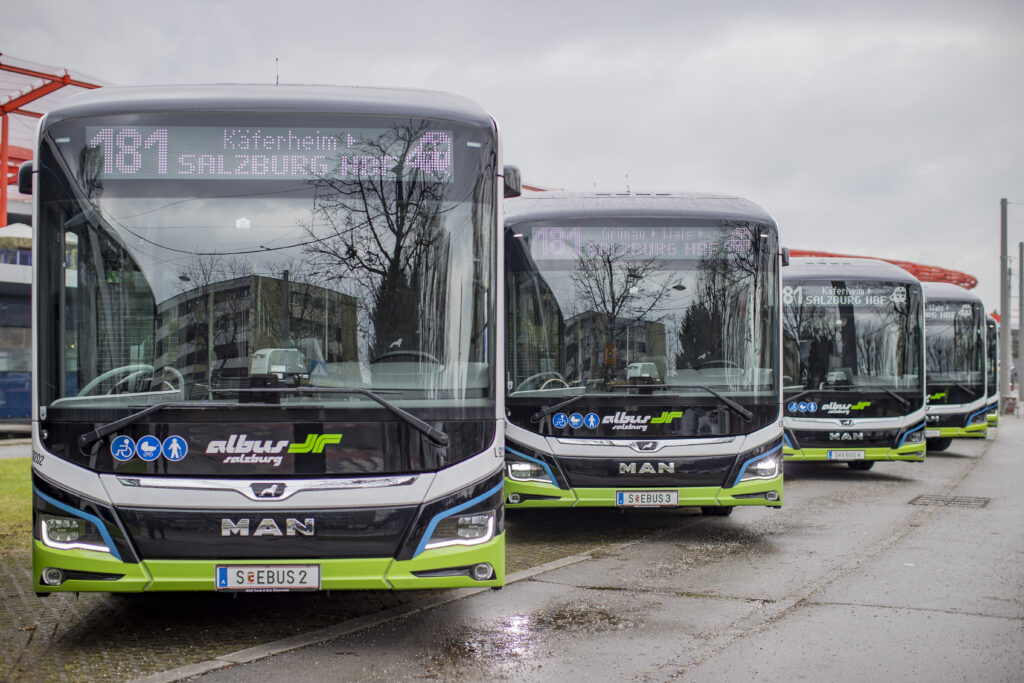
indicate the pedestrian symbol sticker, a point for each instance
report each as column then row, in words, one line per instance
column 175, row 448
column 592, row 420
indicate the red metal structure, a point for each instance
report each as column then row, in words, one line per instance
column 920, row 271
column 25, row 83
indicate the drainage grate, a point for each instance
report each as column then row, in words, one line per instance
column 952, row 501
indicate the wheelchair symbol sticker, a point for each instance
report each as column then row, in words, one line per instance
column 122, row 448
column 560, row 420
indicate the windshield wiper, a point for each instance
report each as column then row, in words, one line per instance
column 548, row 410
column 731, row 404
column 432, row 433
column 89, row 438
column 874, row 387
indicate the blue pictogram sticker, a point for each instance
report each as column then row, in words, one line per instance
column 591, row 420
column 791, row 407
column 560, row 420
column 812, row 407
column 802, row 407
column 175, row 448
column 122, row 448
column 148, row 448
column 576, row 420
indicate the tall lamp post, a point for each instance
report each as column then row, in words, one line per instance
column 1004, row 306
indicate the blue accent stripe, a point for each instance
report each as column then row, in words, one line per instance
column 743, row 469
column 543, row 464
column 971, row 416
column 786, row 443
column 454, row 511
column 96, row 521
column 923, row 424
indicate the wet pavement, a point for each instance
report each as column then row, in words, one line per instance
column 849, row 580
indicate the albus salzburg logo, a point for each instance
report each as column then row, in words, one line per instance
column 240, row 450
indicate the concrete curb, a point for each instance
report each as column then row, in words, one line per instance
column 350, row 626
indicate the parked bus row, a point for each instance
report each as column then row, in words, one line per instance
column 296, row 338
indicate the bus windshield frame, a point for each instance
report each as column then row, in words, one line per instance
column 956, row 349
column 171, row 289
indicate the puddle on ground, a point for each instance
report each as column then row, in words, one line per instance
column 516, row 644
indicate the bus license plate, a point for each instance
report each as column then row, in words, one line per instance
column 932, row 433
column 846, row 455
column 263, row 577
column 644, row 499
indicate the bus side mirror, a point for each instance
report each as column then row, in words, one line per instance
column 513, row 182
column 25, row 177
column 785, row 256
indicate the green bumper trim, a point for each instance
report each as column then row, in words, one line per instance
column 697, row 496
column 908, row 453
column 992, row 419
column 376, row 573
column 972, row 432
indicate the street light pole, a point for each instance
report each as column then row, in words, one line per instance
column 1004, row 305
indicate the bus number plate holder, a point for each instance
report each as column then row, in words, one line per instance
column 846, row 455
column 646, row 499
column 932, row 433
column 267, row 578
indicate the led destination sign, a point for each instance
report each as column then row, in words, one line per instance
column 252, row 152
column 568, row 243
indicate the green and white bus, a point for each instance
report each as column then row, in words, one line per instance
column 992, row 370
column 853, row 362
column 642, row 352
column 267, row 327
column 958, row 403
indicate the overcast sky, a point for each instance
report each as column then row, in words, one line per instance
column 879, row 128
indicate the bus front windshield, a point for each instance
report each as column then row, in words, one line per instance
column 852, row 336
column 956, row 348
column 199, row 256
column 650, row 307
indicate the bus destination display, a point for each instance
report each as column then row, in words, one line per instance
column 244, row 153
column 569, row 243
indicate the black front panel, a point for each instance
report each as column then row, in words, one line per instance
column 654, row 471
column 237, row 534
column 638, row 417
column 250, row 447
column 957, row 420
column 846, row 437
column 849, row 404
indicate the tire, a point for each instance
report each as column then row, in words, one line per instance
column 861, row 465
column 939, row 444
column 719, row 511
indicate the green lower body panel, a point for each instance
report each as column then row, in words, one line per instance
column 540, row 495
column 908, row 453
column 438, row 568
column 992, row 419
column 978, row 431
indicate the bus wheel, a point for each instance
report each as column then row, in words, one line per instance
column 717, row 511
column 861, row 465
column 939, row 444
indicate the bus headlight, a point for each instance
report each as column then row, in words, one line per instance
column 468, row 529
column 766, row 467
column 915, row 437
column 521, row 470
column 70, row 533
column 980, row 418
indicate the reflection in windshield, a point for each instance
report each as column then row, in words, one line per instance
column 376, row 278
column 846, row 334
column 955, row 343
column 604, row 308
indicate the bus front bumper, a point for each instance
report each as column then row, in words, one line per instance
column 763, row 492
column 89, row 570
column 908, row 453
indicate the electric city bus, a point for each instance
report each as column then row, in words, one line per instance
column 267, row 331
column 992, row 370
column 853, row 362
column 955, row 362
column 642, row 352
